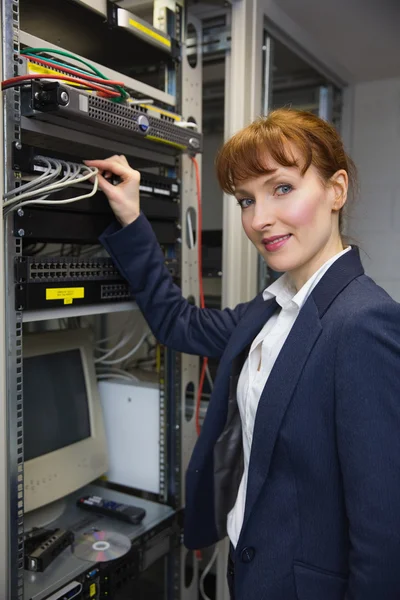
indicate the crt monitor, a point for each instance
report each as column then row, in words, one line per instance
column 64, row 436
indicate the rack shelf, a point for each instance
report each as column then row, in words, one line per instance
column 31, row 316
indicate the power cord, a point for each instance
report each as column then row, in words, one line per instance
column 205, row 573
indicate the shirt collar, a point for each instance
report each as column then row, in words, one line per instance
column 285, row 292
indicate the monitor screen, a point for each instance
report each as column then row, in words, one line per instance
column 64, row 439
column 56, row 412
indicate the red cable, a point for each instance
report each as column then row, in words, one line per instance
column 72, row 71
column 201, row 288
column 14, row 80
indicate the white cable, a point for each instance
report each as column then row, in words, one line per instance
column 53, row 170
column 109, row 352
column 56, row 202
column 134, row 102
column 56, row 186
column 59, row 183
column 67, row 168
column 48, row 174
column 187, row 125
column 68, row 177
column 99, row 343
column 130, row 353
column 205, row 573
column 209, row 378
column 114, row 370
column 66, row 181
column 100, row 376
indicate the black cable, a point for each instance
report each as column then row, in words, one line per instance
column 17, row 84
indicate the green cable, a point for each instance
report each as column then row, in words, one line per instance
column 33, row 51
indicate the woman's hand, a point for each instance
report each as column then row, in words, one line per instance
column 124, row 197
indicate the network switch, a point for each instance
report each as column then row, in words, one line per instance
column 48, row 281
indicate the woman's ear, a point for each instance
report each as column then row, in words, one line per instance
column 340, row 185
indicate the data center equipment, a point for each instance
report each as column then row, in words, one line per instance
column 157, row 535
column 84, row 221
column 52, row 281
column 55, row 103
column 64, row 437
column 121, row 39
column 42, row 546
column 132, row 421
column 117, row 85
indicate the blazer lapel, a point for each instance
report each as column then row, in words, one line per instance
column 250, row 326
column 232, row 360
column 276, row 397
column 283, row 379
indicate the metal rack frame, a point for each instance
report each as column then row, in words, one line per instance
column 191, row 108
column 14, row 507
column 180, row 369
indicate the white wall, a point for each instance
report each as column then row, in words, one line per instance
column 375, row 148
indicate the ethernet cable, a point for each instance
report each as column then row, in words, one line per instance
column 114, row 373
column 101, row 376
column 38, row 191
column 57, row 202
column 58, row 185
column 99, row 343
column 127, row 337
column 205, row 573
column 128, row 355
column 50, row 173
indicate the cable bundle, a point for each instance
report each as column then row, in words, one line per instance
column 92, row 78
column 58, row 175
column 117, row 368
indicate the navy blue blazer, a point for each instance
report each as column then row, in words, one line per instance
column 322, row 515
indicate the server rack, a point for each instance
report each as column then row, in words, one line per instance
column 182, row 91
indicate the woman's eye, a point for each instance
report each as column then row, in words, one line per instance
column 283, row 189
column 245, row 202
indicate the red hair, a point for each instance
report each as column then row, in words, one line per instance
column 245, row 155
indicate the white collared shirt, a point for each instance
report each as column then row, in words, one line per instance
column 263, row 353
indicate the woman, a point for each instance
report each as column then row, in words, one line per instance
column 299, row 455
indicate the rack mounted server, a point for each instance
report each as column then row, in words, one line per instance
column 62, row 104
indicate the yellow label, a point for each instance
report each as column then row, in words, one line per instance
column 92, row 590
column 162, row 112
column 156, row 139
column 35, row 68
column 66, row 294
column 150, row 32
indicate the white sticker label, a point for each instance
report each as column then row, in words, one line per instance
column 83, row 103
column 145, row 188
column 162, row 192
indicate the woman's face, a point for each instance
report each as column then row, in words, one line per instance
column 292, row 219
